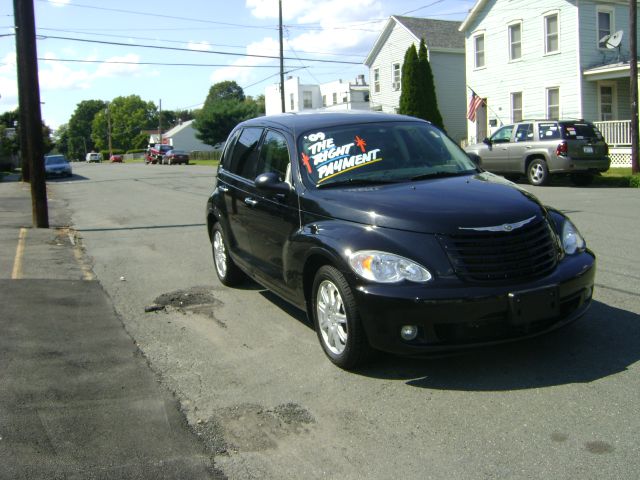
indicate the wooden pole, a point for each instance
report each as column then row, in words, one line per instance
column 30, row 115
column 281, row 59
column 633, row 69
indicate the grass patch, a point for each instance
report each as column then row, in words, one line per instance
column 208, row 163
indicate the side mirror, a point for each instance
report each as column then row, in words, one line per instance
column 487, row 141
column 270, row 182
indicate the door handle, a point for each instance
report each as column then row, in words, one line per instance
column 223, row 189
column 528, row 148
column 250, row 201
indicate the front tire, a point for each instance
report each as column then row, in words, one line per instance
column 336, row 320
column 538, row 173
column 228, row 272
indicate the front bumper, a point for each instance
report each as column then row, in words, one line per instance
column 465, row 316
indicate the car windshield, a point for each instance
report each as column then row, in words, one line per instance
column 55, row 160
column 388, row 152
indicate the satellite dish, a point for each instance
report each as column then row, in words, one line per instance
column 614, row 40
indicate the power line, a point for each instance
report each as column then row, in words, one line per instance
column 124, row 62
column 217, row 52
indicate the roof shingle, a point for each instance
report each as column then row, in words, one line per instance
column 436, row 33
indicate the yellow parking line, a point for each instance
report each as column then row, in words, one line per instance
column 17, row 263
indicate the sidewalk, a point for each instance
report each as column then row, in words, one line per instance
column 77, row 399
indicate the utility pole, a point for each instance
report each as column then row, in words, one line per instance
column 109, row 130
column 160, row 121
column 633, row 73
column 281, row 58
column 30, row 115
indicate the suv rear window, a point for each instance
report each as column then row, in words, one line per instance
column 579, row 131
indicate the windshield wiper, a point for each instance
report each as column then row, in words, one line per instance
column 426, row 176
column 355, row 182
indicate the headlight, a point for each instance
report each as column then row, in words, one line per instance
column 387, row 268
column 572, row 241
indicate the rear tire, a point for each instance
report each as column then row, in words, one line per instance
column 228, row 272
column 336, row 320
column 537, row 172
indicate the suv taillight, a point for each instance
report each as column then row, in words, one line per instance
column 562, row 149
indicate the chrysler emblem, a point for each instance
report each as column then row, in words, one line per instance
column 507, row 227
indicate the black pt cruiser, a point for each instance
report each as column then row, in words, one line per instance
column 390, row 237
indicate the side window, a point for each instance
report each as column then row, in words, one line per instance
column 524, row 132
column 244, row 158
column 274, row 155
column 548, row 131
column 503, row 135
column 228, row 152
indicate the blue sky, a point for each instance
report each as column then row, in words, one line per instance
column 329, row 30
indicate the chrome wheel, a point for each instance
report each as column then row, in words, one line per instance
column 537, row 173
column 332, row 317
column 219, row 254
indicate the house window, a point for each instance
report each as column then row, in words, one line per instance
column 551, row 29
column 335, row 98
column 345, row 98
column 553, row 103
column 324, row 100
column 607, row 101
column 306, row 99
column 605, row 25
column 516, row 106
column 478, row 48
column 376, row 80
column 515, row 41
column 395, row 75
column 291, row 101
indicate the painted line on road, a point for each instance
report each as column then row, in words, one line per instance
column 16, row 273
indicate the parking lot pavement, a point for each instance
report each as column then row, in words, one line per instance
column 78, row 399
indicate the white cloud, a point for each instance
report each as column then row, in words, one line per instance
column 119, row 69
column 59, row 3
column 202, row 46
column 240, row 70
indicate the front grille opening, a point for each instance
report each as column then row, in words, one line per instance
column 524, row 253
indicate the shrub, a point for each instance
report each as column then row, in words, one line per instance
column 634, row 181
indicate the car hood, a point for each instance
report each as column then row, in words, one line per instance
column 430, row 206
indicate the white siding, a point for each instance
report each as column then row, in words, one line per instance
column 535, row 71
column 392, row 52
column 448, row 75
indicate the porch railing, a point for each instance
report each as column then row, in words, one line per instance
column 616, row 132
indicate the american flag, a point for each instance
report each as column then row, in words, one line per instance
column 474, row 104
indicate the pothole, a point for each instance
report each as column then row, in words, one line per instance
column 200, row 300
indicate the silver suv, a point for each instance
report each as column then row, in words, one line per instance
column 539, row 148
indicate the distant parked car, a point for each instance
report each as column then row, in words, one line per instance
column 57, row 166
column 94, row 157
column 540, row 148
column 175, row 156
column 115, row 158
column 156, row 152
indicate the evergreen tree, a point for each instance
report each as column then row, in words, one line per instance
column 409, row 96
column 428, row 101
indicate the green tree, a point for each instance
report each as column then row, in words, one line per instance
column 79, row 130
column 128, row 116
column 61, row 139
column 410, row 94
column 428, row 100
column 224, row 108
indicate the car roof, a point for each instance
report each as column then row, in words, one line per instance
column 306, row 121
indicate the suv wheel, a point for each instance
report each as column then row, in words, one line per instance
column 228, row 272
column 336, row 320
column 537, row 172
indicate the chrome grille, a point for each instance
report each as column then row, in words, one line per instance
column 524, row 253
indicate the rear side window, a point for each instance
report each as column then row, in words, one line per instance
column 548, row 131
column 580, row 131
column 244, row 157
column 524, row 133
column 274, row 155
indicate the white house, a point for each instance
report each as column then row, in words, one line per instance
column 445, row 48
column 182, row 137
column 337, row 95
column 548, row 59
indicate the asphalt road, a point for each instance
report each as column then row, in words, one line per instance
column 253, row 381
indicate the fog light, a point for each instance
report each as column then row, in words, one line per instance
column 409, row 332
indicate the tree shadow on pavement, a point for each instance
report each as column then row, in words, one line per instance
column 604, row 342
